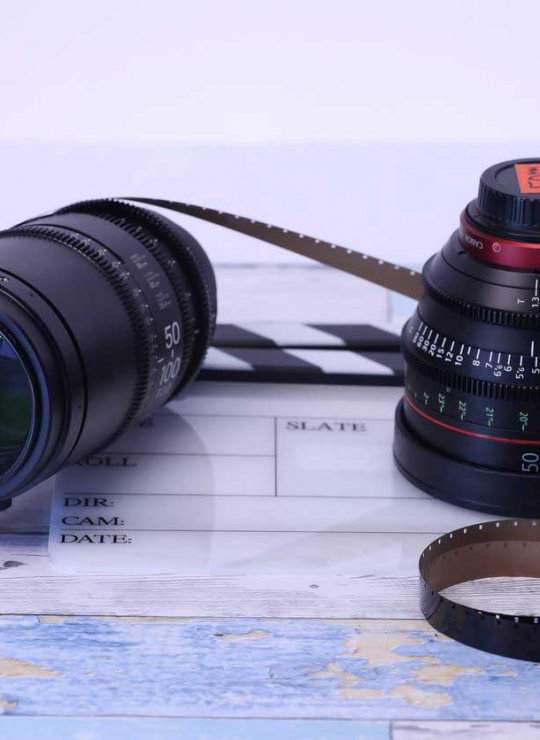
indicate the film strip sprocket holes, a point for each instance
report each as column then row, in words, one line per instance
column 506, row 548
column 380, row 272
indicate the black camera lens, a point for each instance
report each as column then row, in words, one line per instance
column 468, row 428
column 106, row 312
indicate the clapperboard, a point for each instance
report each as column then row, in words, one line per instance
column 344, row 354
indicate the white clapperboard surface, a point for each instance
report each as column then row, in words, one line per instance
column 274, row 478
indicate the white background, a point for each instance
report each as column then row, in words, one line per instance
column 246, row 71
column 367, row 123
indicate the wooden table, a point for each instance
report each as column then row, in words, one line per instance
column 168, row 657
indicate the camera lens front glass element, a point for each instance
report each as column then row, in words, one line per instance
column 16, row 405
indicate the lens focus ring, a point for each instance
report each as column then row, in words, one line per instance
column 125, row 286
column 183, row 261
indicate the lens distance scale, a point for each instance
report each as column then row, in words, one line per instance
column 450, row 354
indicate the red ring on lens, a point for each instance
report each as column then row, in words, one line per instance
column 497, row 251
column 467, row 432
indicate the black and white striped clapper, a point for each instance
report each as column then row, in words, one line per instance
column 346, row 354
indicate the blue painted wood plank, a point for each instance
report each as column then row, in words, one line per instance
column 43, row 728
column 371, row 669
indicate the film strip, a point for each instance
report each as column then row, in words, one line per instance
column 386, row 274
column 506, row 548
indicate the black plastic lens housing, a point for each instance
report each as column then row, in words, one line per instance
column 106, row 312
column 468, row 428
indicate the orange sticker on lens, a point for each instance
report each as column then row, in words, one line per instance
column 528, row 175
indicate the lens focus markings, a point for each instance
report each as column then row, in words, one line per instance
column 487, row 364
column 475, row 387
column 442, row 402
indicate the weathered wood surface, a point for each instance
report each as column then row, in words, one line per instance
column 43, row 728
column 29, row 584
column 461, row 730
column 148, row 728
column 367, row 669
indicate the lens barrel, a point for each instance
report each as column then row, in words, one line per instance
column 106, row 312
column 468, row 427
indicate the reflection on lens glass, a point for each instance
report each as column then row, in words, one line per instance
column 16, row 403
